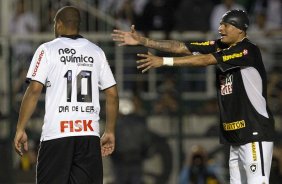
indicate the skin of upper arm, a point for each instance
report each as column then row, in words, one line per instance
column 29, row 102
column 183, row 49
column 112, row 105
column 196, row 60
column 171, row 46
column 35, row 87
column 111, row 92
column 208, row 59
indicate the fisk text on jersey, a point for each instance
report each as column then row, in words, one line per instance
column 76, row 126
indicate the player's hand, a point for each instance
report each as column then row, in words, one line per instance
column 107, row 144
column 126, row 37
column 21, row 142
column 149, row 61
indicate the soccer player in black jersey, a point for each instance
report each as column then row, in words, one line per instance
column 246, row 122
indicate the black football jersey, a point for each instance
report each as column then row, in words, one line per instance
column 241, row 89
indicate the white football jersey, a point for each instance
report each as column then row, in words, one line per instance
column 73, row 71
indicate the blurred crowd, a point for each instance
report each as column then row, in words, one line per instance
column 192, row 15
column 163, row 15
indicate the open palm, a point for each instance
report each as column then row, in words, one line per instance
column 126, row 37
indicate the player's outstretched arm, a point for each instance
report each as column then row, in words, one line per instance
column 149, row 61
column 134, row 38
column 128, row 37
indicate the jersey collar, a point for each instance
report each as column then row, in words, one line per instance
column 74, row 37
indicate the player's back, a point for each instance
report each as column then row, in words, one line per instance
column 73, row 70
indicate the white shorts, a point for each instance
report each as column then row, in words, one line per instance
column 250, row 163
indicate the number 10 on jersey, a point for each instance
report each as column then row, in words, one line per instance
column 83, row 86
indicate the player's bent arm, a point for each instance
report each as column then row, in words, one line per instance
column 112, row 105
column 29, row 103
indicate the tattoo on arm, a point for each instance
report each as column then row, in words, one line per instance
column 165, row 45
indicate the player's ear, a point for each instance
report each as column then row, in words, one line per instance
column 59, row 22
column 60, row 26
column 240, row 31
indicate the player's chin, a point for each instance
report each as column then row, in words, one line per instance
column 224, row 40
column 106, row 154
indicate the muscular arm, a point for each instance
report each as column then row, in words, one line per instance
column 134, row 38
column 171, row 46
column 195, row 60
column 150, row 61
column 28, row 106
column 29, row 103
column 112, row 105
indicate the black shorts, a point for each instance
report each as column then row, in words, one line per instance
column 70, row 160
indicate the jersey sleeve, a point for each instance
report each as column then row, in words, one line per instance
column 202, row 47
column 235, row 56
column 39, row 66
column 106, row 78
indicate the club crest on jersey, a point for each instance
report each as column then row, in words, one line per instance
column 253, row 168
column 68, row 55
column 226, row 84
column 48, row 84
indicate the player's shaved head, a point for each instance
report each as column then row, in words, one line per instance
column 69, row 16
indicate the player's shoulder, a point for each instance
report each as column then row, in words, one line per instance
column 96, row 49
column 94, row 46
column 250, row 43
column 246, row 43
column 50, row 43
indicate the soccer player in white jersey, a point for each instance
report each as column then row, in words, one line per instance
column 73, row 70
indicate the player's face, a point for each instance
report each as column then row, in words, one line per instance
column 229, row 33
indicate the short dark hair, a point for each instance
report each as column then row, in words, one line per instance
column 70, row 17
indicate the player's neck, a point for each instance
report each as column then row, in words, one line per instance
column 239, row 40
column 69, row 32
column 72, row 36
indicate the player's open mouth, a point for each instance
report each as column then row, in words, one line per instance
column 222, row 35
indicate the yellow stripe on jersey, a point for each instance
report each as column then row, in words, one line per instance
column 203, row 43
column 254, row 152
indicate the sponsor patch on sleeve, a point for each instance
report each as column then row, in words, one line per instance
column 234, row 55
column 203, row 43
column 38, row 63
